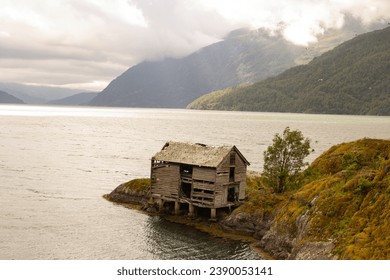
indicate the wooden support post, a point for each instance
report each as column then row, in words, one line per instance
column 160, row 204
column 190, row 210
column 213, row 214
column 177, row 207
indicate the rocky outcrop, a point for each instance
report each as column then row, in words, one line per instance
column 275, row 239
column 314, row 251
column 340, row 211
column 256, row 225
column 124, row 194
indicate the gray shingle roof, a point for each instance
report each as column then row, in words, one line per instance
column 193, row 154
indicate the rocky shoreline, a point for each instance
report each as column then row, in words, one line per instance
column 256, row 229
column 279, row 245
column 339, row 209
column 125, row 195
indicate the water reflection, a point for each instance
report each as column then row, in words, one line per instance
column 168, row 240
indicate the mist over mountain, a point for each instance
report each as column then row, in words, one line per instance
column 7, row 98
column 243, row 57
column 353, row 78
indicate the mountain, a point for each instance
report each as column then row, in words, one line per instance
column 76, row 99
column 243, row 57
column 7, row 98
column 353, row 78
column 32, row 94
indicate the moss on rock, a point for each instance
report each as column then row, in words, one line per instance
column 340, row 208
column 344, row 199
column 135, row 191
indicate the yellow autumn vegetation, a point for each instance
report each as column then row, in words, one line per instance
column 345, row 193
column 140, row 184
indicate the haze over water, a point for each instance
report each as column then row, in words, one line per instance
column 57, row 162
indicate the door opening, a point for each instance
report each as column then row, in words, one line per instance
column 232, row 194
column 185, row 190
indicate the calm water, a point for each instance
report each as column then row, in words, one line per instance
column 57, row 162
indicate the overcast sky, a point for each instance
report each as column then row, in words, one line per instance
column 85, row 44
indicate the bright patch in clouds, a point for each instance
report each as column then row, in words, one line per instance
column 122, row 10
column 85, row 44
column 300, row 21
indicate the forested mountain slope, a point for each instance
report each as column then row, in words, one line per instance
column 353, row 78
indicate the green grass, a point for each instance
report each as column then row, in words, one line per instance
column 141, row 184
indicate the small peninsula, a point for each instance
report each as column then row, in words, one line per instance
column 340, row 208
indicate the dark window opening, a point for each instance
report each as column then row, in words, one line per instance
column 185, row 190
column 232, row 195
column 184, row 207
column 203, row 191
column 203, row 182
column 186, row 170
column 231, row 174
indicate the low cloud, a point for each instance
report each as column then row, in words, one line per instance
column 88, row 43
column 300, row 21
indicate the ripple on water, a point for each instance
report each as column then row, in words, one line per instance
column 176, row 241
column 56, row 163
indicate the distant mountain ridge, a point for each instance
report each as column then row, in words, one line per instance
column 353, row 78
column 8, row 98
column 32, row 94
column 76, row 99
column 243, row 57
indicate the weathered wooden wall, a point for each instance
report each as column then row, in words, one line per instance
column 222, row 177
column 240, row 176
column 166, row 180
column 209, row 185
column 203, row 193
column 203, row 173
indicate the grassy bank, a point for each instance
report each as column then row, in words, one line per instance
column 342, row 198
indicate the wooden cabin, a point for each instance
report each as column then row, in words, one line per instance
column 198, row 175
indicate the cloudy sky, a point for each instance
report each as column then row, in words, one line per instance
column 85, row 44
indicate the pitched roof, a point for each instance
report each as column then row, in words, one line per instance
column 194, row 154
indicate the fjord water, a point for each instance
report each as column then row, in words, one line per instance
column 57, row 162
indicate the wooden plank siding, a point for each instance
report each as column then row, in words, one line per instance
column 206, row 186
column 223, row 174
column 222, row 179
column 166, row 180
column 220, row 196
column 240, row 176
column 203, row 173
